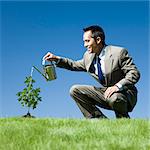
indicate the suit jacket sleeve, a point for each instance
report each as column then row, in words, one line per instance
column 72, row 65
column 129, row 69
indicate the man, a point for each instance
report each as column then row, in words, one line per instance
column 112, row 67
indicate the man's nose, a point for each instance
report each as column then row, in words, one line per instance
column 85, row 45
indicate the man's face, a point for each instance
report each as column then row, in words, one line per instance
column 89, row 42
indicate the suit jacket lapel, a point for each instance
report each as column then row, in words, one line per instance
column 108, row 60
column 89, row 60
column 108, row 64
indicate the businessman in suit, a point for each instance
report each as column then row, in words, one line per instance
column 112, row 67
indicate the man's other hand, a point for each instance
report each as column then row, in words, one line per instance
column 110, row 91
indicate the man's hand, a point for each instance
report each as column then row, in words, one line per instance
column 110, row 91
column 51, row 57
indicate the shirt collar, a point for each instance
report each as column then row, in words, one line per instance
column 102, row 52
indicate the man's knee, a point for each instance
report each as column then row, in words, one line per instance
column 118, row 102
column 74, row 89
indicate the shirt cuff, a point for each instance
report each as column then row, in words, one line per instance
column 58, row 61
column 119, row 86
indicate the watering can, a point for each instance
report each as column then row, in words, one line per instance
column 49, row 70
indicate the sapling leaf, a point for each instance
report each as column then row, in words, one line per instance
column 29, row 96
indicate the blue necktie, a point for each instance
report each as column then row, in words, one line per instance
column 100, row 74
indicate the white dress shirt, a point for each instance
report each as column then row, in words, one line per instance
column 102, row 58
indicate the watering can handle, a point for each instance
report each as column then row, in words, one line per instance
column 44, row 62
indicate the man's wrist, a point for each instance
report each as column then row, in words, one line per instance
column 58, row 59
column 120, row 87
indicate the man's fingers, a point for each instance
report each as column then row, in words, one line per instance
column 107, row 93
column 110, row 91
column 48, row 56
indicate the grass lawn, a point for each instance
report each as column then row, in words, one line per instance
column 74, row 134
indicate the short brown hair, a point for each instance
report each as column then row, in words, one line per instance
column 97, row 31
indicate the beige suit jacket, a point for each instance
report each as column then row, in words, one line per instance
column 119, row 67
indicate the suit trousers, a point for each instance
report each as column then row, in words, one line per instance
column 89, row 97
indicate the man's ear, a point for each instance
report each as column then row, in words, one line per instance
column 98, row 40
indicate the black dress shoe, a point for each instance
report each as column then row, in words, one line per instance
column 99, row 114
column 97, row 117
column 119, row 115
column 96, row 114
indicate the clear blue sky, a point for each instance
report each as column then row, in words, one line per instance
column 30, row 29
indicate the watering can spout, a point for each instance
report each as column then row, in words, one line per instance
column 40, row 72
column 49, row 72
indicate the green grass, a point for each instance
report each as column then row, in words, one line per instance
column 74, row 134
